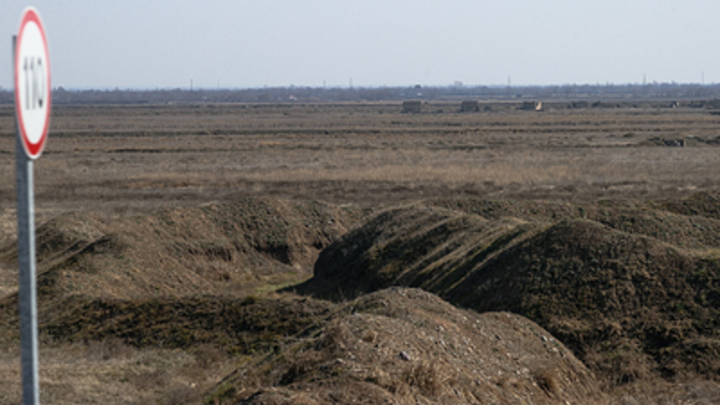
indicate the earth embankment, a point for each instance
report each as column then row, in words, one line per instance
column 633, row 289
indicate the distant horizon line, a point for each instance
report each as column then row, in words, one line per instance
column 371, row 87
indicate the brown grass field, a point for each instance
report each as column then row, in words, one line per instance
column 145, row 172
column 117, row 160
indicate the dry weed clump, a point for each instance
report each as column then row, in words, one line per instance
column 547, row 379
column 425, row 377
column 334, row 338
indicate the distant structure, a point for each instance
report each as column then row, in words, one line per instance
column 469, row 106
column 531, row 106
column 412, row 106
column 681, row 143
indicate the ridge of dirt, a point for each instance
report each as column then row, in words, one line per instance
column 413, row 245
column 628, row 305
column 689, row 223
column 407, row 346
column 631, row 306
column 633, row 289
column 213, row 249
column 705, row 204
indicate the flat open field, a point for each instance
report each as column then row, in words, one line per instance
column 274, row 253
column 116, row 160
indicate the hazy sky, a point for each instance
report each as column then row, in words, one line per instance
column 168, row 43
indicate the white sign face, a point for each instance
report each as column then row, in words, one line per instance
column 32, row 83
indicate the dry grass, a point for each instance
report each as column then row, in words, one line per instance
column 123, row 160
column 663, row 393
column 110, row 372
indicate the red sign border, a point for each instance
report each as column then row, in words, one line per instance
column 33, row 150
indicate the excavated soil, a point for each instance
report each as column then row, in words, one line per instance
column 407, row 346
column 230, row 248
column 633, row 289
column 564, row 303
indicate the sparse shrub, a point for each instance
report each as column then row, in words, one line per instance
column 425, row 377
column 302, row 363
column 547, row 379
column 335, row 337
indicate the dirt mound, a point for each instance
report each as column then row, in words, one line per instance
column 219, row 248
column 407, row 346
column 704, row 204
column 693, row 222
column 415, row 245
column 629, row 305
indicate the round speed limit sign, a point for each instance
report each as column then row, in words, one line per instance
column 32, row 83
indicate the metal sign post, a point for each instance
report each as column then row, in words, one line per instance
column 31, row 67
column 28, row 288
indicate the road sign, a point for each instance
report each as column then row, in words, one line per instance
column 32, row 83
column 32, row 110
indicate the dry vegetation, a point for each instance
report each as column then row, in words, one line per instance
column 137, row 159
column 166, row 231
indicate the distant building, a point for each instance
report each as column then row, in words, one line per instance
column 531, row 106
column 412, row 106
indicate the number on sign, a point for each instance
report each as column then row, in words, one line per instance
column 35, row 85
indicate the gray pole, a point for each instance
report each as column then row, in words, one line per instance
column 26, row 260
